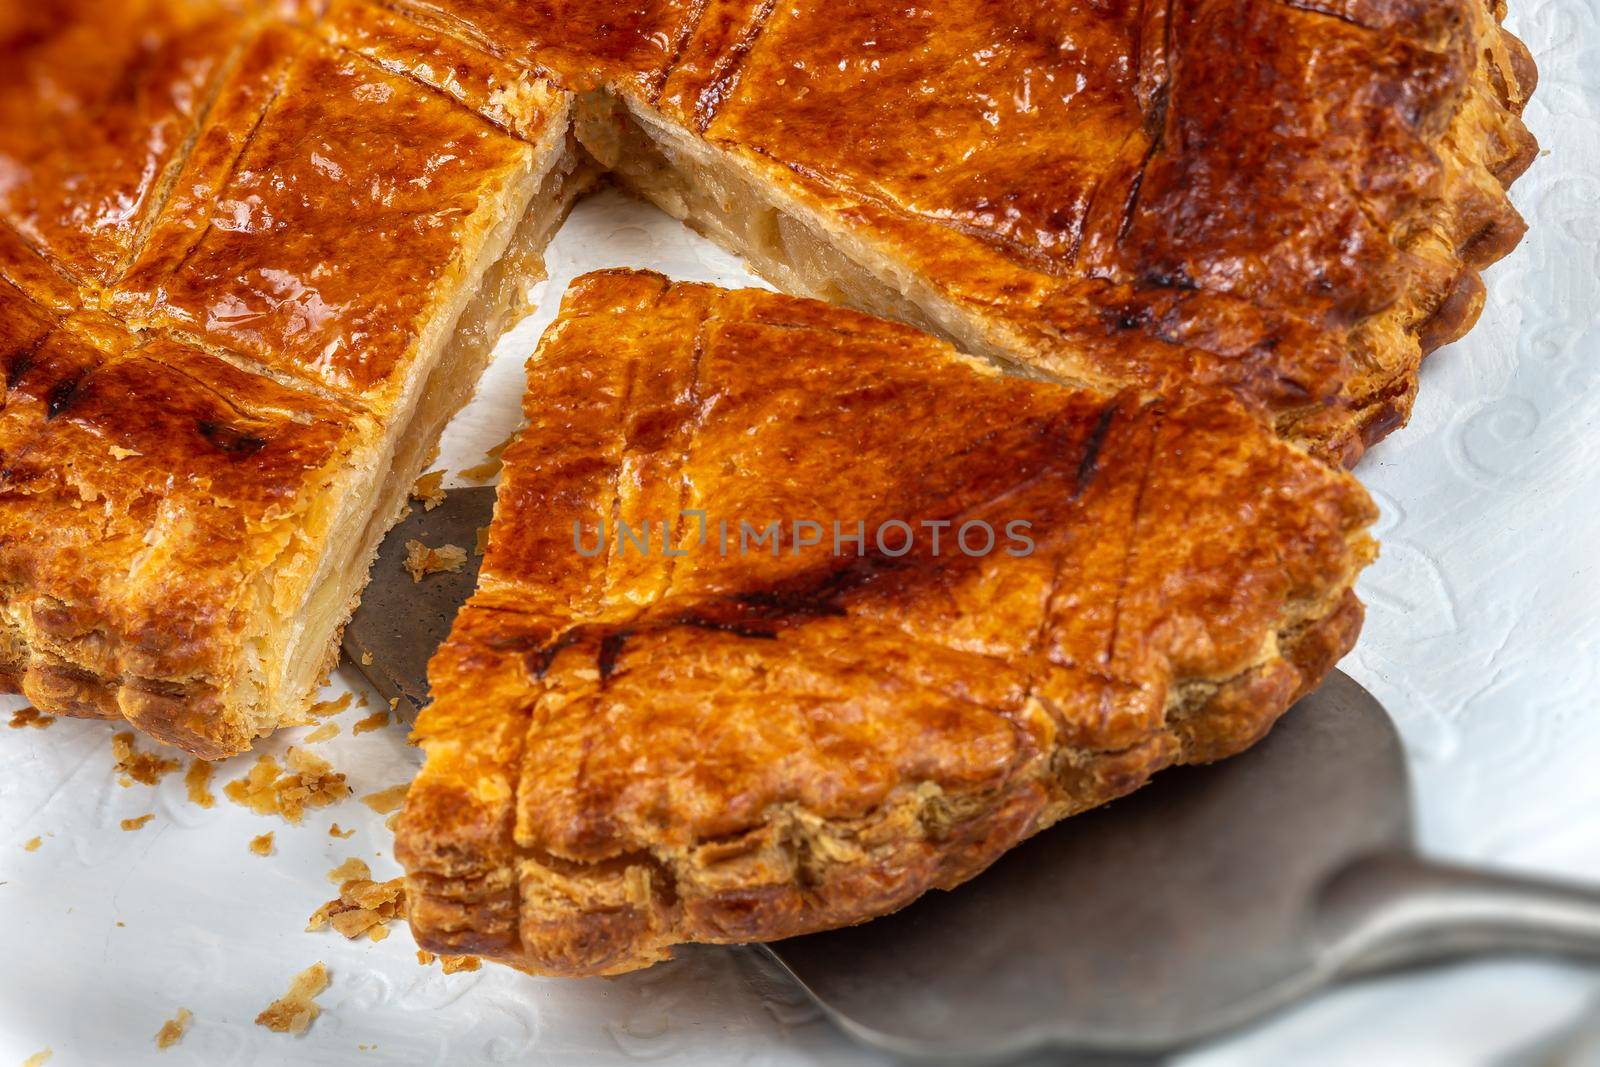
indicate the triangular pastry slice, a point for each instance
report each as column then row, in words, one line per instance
column 730, row 737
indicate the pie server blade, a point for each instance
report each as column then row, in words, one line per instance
column 400, row 622
column 1200, row 903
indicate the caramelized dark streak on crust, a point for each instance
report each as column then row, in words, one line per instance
column 626, row 754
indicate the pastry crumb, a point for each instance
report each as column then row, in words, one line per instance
column 118, row 452
column 30, row 716
column 32, row 844
column 422, row 561
column 262, row 846
column 325, row 732
column 254, row 790
column 38, row 1059
column 334, row 831
column 308, row 781
column 376, row 721
column 322, row 709
column 362, row 906
column 352, row 868
column 173, row 1029
column 428, row 491
column 449, row 964
column 146, row 768
column 294, row 1012
column 490, row 465
column 386, row 800
column 366, row 659
column 197, row 780
column 138, row 824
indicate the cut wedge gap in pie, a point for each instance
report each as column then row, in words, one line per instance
column 1284, row 202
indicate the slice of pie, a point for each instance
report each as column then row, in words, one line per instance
column 1289, row 201
column 233, row 341
column 790, row 614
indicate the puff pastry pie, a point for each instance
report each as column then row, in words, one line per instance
column 724, row 741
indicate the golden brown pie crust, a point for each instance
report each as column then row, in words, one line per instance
column 98, row 101
column 625, row 752
column 246, row 257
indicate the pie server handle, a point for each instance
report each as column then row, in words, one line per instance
column 1400, row 909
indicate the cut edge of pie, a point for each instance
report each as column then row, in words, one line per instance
column 444, row 382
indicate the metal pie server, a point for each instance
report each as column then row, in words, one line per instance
column 1204, row 901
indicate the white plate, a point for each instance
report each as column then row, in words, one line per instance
column 1482, row 638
